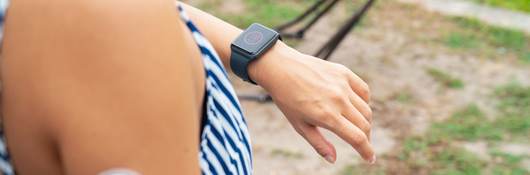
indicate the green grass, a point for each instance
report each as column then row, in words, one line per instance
column 445, row 159
column 360, row 169
column 461, row 40
column 404, row 97
column 469, row 124
column 519, row 5
column 496, row 36
column 439, row 158
column 507, row 164
column 271, row 13
column 286, row 153
column 526, row 57
column 415, row 152
column 514, row 106
column 436, row 152
column 445, row 79
column 456, row 161
column 267, row 12
column 473, row 35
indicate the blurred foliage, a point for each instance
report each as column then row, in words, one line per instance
column 267, row 12
column 271, row 13
column 473, row 35
column 520, row 5
column 445, row 78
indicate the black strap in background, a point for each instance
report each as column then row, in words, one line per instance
column 327, row 50
column 329, row 47
column 301, row 17
column 300, row 33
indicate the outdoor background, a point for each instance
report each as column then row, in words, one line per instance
column 450, row 83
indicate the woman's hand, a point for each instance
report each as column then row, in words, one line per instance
column 314, row 93
column 310, row 92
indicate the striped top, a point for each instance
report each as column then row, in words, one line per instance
column 225, row 142
column 224, row 146
column 5, row 165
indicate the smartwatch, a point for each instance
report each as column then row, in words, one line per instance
column 249, row 46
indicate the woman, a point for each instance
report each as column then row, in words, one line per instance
column 97, row 86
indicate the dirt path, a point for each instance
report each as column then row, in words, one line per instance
column 494, row 16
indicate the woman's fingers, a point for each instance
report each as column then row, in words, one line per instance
column 358, row 86
column 354, row 136
column 327, row 95
column 361, row 106
column 354, row 116
column 318, row 142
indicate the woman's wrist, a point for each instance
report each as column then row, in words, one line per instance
column 263, row 69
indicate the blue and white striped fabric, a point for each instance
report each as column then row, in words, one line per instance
column 224, row 139
column 225, row 143
column 3, row 8
column 5, row 165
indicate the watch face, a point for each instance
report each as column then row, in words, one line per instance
column 255, row 38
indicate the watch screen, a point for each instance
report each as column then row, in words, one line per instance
column 254, row 38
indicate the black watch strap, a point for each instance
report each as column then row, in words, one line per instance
column 239, row 64
column 255, row 41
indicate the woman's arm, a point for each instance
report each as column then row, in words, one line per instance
column 108, row 79
column 218, row 32
column 310, row 92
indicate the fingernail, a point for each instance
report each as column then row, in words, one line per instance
column 329, row 158
column 372, row 160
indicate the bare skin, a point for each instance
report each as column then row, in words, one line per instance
column 293, row 79
column 124, row 88
column 83, row 97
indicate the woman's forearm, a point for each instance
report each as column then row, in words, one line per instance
column 218, row 32
column 221, row 34
column 310, row 92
